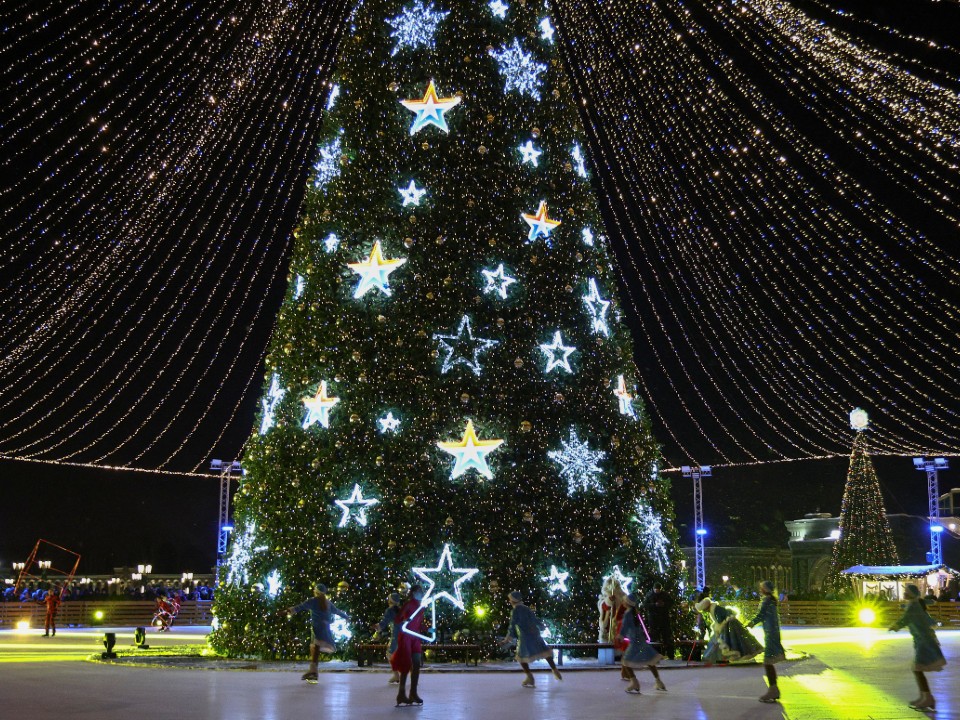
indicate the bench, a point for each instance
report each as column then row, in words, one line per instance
column 367, row 652
column 606, row 657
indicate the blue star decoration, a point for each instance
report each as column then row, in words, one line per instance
column 430, row 110
column 558, row 354
column 411, row 194
column 597, row 308
column 441, row 587
column 374, row 272
column 578, row 464
column 471, row 453
column 519, row 70
column 556, row 581
column 530, row 154
column 355, row 507
column 540, row 224
column 463, row 348
column 388, row 423
column 497, row 281
column 499, row 9
column 415, row 26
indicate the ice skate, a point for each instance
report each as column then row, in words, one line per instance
column 660, row 685
column 771, row 695
column 394, row 679
column 528, row 681
column 414, row 698
column 926, row 702
column 557, row 675
column 402, row 698
column 634, row 687
column 310, row 676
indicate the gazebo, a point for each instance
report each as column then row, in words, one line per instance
column 887, row 582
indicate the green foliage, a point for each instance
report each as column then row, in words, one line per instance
column 378, row 354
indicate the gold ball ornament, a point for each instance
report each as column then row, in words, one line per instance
column 408, row 242
column 494, row 586
column 343, row 586
column 528, row 516
column 525, row 426
column 518, row 363
column 354, row 418
column 448, row 522
column 597, row 514
column 425, row 146
column 465, row 398
column 409, row 501
column 577, row 536
column 391, row 544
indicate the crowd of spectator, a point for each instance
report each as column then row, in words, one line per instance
column 112, row 589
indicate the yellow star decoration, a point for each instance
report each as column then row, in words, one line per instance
column 430, row 110
column 318, row 408
column 540, row 224
column 471, row 453
column 374, row 272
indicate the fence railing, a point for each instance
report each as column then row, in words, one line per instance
column 114, row 613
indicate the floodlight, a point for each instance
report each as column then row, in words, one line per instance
column 936, row 528
column 940, row 463
column 685, row 469
column 216, row 465
column 866, row 616
column 140, row 638
column 918, row 463
column 701, row 531
column 109, row 640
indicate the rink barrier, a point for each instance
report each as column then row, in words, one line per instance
column 115, row 613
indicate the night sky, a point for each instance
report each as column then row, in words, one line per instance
column 242, row 214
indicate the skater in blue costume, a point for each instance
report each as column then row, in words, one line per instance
column 525, row 628
column 927, row 656
column 729, row 639
column 322, row 612
column 769, row 616
column 639, row 653
column 389, row 624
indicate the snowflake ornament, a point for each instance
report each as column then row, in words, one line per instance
column 328, row 166
column 519, row 70
column 415, row 26
column 651, row 533
column 241, row 553
column 499, row 9
column 578, row 464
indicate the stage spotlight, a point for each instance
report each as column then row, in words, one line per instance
column 140, row 638
column 109, row 640
column 866, row 616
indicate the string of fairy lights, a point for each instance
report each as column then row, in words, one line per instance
column 778, row 193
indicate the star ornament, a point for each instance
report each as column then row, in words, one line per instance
column 556, row 581
column 355, row 507
column 624, row 580
column 318, row 407
column 499, row 9
column 471, row 453
column 546, row 30
column 530, row 154
column 411, row 194
column 430, row 110
column 374, row 272
column 625, row 398
column 558, row 354
column 540, row 224
column 497, row 281
column 388, row 423
column 443, row 572
column 597, row 309
column 463, row 348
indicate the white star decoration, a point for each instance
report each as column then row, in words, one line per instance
column 499, row 9
column 557, row 581
column 444, row 567
column 331, row 243
column 318, row 407
column 624, row 397
column 415, row 26
column 471, row 453
column 519, row 70
column 374, row 272
column 624, row 580
column 355, row 507
column 597, row 308
column 340, row 630
column 530, row 154
column 546, row 30
column 580, row 162
column 411, row 194
column 540, row 224
column 464, row 349
column 388, row 423
column 497, row 281
column 578, row 464
column 587, row 236
column 555, row 349
column 274, row 395
column 430, row 110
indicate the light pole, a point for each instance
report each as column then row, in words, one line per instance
column 930, row 467
column 225, row 470
column 696, row 472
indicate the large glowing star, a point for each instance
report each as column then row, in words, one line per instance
column 274, row 395
column 415, row 26
column 470, row 452
column 388, row 423
column 531, row 155
column 597, row 308
column 441, row 587
column 374, row 272
column 556, row 581
column 558, row 354
column 430, row 110
column 463, row 348
column 578, row 464
column 624, row 397
column 499, row 8
column 411, row 194
column 540, row 224
column 355, row 507
column 318, row 407
column 497, row 281
column 624, row 580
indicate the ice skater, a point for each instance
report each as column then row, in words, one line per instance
column 525, row 628
column 389, row 624
column 639, row 653
column 729, row 639
column 769, row 616
column 407, row 658
column 927, row 656
column 52, row 601
column 322, row 611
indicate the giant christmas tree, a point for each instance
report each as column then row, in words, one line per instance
column 449, row 388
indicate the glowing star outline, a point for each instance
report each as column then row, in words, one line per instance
column 470, row 453
column 597, row 308
column 578, row 464
column 273, row 584
column 624, row 580
column 415, row 26
column 430, row 110
column 499, row 9
column 492, row 286
column 551, row 350
column 350, row 509
column 375, row 272
column 624, row 397
column 388, row 423
column 557, row 580
column 530, row 154
column 580, row 161
column 411, row 194
column 540, row 224
column 275, row 395
column 546, row 30
column 429, row 596
column 318, row 407
column 479, row 345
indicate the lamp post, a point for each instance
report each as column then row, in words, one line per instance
column 225, row 470
column 930, row 467
column 695, row 472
